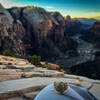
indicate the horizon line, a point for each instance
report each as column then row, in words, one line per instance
column 95, row 17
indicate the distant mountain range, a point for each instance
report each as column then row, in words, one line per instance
column 88, row 21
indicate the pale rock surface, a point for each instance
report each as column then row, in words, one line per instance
column 31, row 95
column 2, row 66
column 10, row 74
column 17, row 98
column 20, row 80
column 16, row 87
column 25, row 67
column 32, row 74
column 96, row 90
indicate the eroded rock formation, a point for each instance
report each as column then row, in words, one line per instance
column 43, row 33
column 8, row 36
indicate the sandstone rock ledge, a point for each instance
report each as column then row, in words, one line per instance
column 20, row 80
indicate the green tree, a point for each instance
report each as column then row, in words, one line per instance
column 46, row 63
column 35, row 60
column 7, row 53
column 61, row 66
column 17, row 55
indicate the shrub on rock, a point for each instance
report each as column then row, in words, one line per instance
column 17, row 55
column 61, row 66
column 35, row 60
column 7, row 53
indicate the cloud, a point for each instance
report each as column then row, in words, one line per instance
column 8, row 4
column 49, row 7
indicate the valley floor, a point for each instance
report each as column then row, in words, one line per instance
column 86, row 52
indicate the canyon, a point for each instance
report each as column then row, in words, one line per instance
column 65, row 41
column 69, row 49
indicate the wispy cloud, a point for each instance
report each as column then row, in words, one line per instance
column 49, row 7
column 8, row 4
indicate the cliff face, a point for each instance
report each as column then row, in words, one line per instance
column 8, row 36
column 5, row 18
column 95, row 32
column 43, row 33
column 74, row 26
column 32, row 30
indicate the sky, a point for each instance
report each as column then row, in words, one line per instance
column 75, row 8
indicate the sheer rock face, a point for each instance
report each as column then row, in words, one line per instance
column 19, row 29
column 73, row 26
column 32, row 30
column 45, row 32
column 68, row 18
column 61, row 26
column 8, row 35
column 95, row 32
column 96, row 29
column 42, row 23
column 5, row 18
